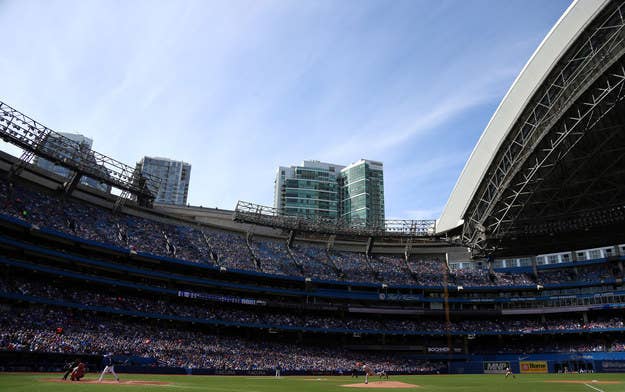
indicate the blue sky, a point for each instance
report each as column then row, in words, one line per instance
column 238, row 88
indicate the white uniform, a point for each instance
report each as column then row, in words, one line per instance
column 368, row 372
column 509, row 373
column 109, row 367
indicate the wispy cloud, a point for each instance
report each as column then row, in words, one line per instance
column 240, row 87
column 428, row 213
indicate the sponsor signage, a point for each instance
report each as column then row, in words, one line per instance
column 495, row 367
column 220, row 298
column 533, row 366
column 444, row 350
column 613, row 366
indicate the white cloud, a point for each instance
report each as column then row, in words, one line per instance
column 424, row 213
column 238, row 88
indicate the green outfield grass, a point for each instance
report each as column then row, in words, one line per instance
column 15, row 382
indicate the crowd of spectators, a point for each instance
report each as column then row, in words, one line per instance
column 315, row 262
column 255, row 315
column 481, row 276
column 508, row 279
column 274, row 258
column 560, row 346
column 392, row 269
column 233, row 251
column 595, row 272
column 428, row 272
column 61, row 330
column 47, row 329
column 353, row 266
column 484, row 277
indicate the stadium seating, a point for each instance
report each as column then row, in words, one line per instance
column 37, row 330
column 234, row 251
column 118, row 267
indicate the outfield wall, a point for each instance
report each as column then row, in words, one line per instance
column 600, row 362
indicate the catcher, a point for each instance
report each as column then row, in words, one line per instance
column 78, row 372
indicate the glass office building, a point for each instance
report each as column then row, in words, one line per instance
column 361, row 187
column 317, row 189
column 175, row 177
column 309, row 190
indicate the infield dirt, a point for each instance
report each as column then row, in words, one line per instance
column 128, row 382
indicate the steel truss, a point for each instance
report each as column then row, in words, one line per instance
column 36, row 139
column 272, row 217
column 583, row 88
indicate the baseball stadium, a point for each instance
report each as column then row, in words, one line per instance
column 517, row 285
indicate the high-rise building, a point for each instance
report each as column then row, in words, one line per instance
column 174, row 175
column 56, row 145
column 361, row 187
column 309, row 190
column 354, row 194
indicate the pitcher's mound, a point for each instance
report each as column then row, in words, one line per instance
column 382, row 384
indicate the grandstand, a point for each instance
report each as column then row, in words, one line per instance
column 175, row 289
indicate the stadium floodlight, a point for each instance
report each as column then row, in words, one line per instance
column 268, row 216
column 38, row 140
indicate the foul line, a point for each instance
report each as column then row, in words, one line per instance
column 595, row 388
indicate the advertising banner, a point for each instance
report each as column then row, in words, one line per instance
column 495, row 367
column 613, row 366
column 444, row 350
column 533, row 366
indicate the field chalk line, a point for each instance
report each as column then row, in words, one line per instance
column 595, row 388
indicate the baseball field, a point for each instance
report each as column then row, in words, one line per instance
column 26, row 382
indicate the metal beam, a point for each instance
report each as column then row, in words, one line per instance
column 36, row 139
column 272, row 217
column 554, row 121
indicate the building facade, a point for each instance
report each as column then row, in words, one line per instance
column 59, row 147
column 354, row 194
column 309, row 190
column 361, row 187
column 175, row 177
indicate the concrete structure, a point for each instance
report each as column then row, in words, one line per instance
column 175, row 177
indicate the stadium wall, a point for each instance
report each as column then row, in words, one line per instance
column 598, row 362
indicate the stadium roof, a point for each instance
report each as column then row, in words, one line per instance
column 557, row 41
column 530, row 134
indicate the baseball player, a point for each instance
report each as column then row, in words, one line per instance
column 69, row 367
column 109, row 367
column 509, row 373
column 368, row 372
column 78, row 372
column 278, row 370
